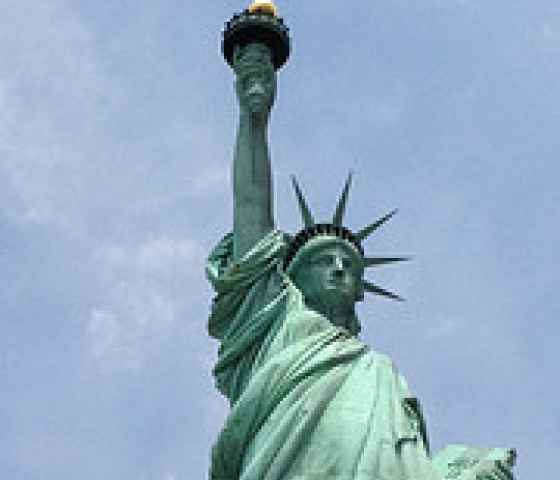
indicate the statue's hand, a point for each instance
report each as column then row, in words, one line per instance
column 468, row 463
column 493, row 471
column 256, row 82
column 255, row 94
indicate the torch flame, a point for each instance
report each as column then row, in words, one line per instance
column 264, row 6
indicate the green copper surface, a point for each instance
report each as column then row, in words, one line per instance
column 309, row 400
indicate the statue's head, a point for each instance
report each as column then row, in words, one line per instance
column 326, row 262
column 329, row 272
column 256, row 77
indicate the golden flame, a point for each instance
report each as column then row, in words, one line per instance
column 264, row 6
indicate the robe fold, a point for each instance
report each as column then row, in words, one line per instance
column 309, row 401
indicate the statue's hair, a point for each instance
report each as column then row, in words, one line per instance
column 309, row 239
column 251, row 54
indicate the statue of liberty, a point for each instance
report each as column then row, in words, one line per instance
column 309, row 400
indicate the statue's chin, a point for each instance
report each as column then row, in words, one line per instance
column 338, row 294
column 334, row 300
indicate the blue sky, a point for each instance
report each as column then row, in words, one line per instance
column 117, row 122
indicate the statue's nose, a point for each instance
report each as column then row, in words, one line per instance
column 338, row 265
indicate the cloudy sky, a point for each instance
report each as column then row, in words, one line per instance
column 117, row 122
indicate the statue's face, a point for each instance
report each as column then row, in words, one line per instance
column 331, row 277
column 256, row 80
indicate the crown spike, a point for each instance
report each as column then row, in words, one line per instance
column 341, row 207
column 306, row 214
column 377, row 290
column 367, row 231
column 378, row 261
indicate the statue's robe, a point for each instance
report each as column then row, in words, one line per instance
column 309, row 401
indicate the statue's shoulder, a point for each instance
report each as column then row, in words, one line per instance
column 222, row 250
column 265, row 255
column 275, row 240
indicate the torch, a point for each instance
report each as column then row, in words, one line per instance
column 260, row 23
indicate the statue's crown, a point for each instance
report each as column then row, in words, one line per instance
column 337, row 231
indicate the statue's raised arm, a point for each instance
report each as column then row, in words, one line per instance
column 255, row 86
column 256, row 45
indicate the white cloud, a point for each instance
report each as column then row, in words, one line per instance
column 389, row 109
column 105, row 332
column 137, row 318
column 50, row 87
column 46, row 451
column 491, row 338
column 442, row 329
column 145, row 293
column 455, row 3
column 214, row 178
column 155, row 255
column 76, row 135
column 78, row 145
column 548, row 39
column 162, row 253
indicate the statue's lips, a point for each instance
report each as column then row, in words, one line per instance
column 337, row 283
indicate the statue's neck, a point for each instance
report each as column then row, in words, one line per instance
column 339, row 316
